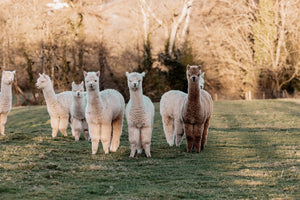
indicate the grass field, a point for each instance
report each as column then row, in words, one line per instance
column 253, row 152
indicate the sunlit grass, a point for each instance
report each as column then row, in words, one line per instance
column 252, row 152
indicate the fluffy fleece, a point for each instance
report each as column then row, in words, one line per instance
column 201, row 81
column 78, row 106
column 139, row 115
column 58, row 105
column 196, row 111
column 170, row 110
column 104, row 114
column 5, row 97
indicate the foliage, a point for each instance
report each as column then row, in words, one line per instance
column 252, row 153
column 176, row 74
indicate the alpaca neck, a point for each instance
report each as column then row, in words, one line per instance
column 6, row 92
column 194, row 93
column 78, row 102
column 137, row 98
column 94, row 98
column 49, row 95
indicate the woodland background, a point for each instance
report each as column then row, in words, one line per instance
column 243, row 45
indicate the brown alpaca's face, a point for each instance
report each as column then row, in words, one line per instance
column 193, row 73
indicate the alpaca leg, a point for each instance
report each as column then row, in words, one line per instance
column 94, row 131
column 168, row 129
column 139, row 147
column 117, row 131
column 204, row 136
column 85, row 130
column 76, row 125
column 3, row 119
column 179, row 132
column 63, row 125
column 198, row 130
column 54, row 126
column 72, row 127
column 146, row 140
column 106, row 136
column 134, row 140
column 189, row 129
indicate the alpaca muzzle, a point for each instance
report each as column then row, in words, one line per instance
column 193, row 78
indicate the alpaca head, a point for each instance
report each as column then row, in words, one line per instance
column 77, row 89
column 201, row 81
column 8, row 77
column 135, row 80
column 43, row 81
column 91, row 80
column 193, row 73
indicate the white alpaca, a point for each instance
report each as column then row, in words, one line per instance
column 170, row 110
column 201, row 80
column 5, row 97
column 78, row 106
column 58, row 105
column 139, row 115
column 104, row 114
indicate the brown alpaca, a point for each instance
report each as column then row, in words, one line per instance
column 196, row 111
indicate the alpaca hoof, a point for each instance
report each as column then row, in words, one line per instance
column 94, row 152
column 148, row 155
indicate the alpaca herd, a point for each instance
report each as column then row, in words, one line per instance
column 99, row 114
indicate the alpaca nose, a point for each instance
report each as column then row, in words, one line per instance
column 78, row 94
column 194, row 78
column 134, row 84
column 91, row 85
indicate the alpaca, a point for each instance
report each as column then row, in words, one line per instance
column 104, row 114
column 5, row 97
column 201, row 81
column 196, row 111
column 58, row 105
column 78, row 120
column 139, row 115
column 170, row 110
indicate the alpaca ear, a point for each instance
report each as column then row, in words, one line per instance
column 143, row 74
column 73, row 84
column 127, row 74
column 202, row 75
column 98, row 73
column 81, row 83
column 188, row 67
column 14, row 71
column 84, row 73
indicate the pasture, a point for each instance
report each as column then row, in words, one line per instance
column 253, row 152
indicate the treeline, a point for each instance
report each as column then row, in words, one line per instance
column 244, row 46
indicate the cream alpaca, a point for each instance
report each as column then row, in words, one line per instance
column 78, row 106
column 58, row 105
column 5, row 97
column 170, row 110
column 196, row 111
column 139, row 115
column 104, row 114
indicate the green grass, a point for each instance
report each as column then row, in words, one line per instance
column 252, row 152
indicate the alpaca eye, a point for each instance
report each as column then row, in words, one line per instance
column 95, row 80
